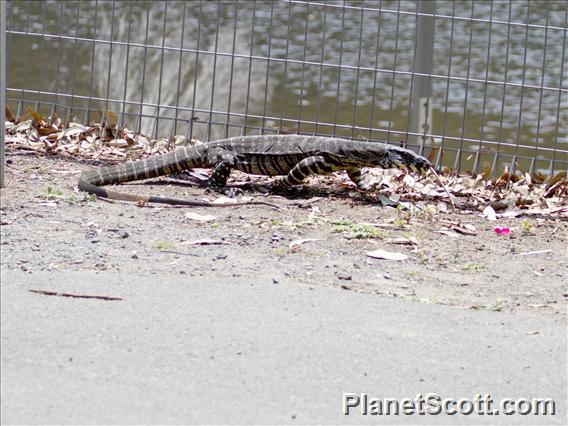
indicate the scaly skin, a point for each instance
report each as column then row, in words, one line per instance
column 290, row 157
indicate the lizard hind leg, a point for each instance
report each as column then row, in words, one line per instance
column 358, row 177
column 315, row 165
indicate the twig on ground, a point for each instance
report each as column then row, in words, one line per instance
column 445, row 188
column 179, row 252
column 78, row 296
column 529, row 253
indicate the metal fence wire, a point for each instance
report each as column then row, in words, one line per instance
column 473, row 84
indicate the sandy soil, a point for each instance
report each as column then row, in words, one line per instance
column 48, row 225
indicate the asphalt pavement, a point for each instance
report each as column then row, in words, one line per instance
column 178, row 350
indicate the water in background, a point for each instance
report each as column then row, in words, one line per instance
column 143, row 66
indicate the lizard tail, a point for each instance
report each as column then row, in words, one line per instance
column 172, row 162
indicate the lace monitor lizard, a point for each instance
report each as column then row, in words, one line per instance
column 290, row 157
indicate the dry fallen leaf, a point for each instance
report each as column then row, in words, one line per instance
column 386, row 255
column 551, row 180
column 229, row 200
column 298, row 242
column 510, row 213
column 465, row 230
column 9, row 114
column 200, row 217
column 448, row 233
column 403, row 241
column 489, row 213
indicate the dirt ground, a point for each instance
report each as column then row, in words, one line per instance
column 319, row 237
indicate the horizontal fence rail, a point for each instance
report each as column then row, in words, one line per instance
column 471, row 84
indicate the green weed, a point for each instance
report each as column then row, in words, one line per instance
column 497, row 306
column 357, row 230
column 473, row 267
column 51, row 192
column 163, row 245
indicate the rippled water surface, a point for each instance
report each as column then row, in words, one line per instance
column 326, row 65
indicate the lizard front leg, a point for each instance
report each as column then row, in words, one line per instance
column 219, row 175
column 218, row 179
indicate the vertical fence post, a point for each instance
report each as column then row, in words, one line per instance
column 2, row 86
column 421, row 111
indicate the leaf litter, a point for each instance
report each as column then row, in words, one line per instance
column 505, row 196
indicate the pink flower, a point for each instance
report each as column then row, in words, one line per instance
column 501, row 230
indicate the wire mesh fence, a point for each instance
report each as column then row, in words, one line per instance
column 2, row 86
column 475, row 85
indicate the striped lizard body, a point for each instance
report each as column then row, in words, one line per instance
column 290, row 157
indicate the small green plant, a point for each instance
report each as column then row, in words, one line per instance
column 497, row 306
column 399, row 222
column 526, row 226
column 75, row 199
column 473, row 267
column 402, row 218
column 427, row 213
column 357, row 230
column 51, row 192
column 426, row 300
column 457, row 252
column 341, row 222
column 413, row 274
column 311, row 220
column 298, row 225
column 281, row 251
column 163, row 245
column 423, row 257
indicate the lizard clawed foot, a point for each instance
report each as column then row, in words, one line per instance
column 366, row 185
column 229, row 192
column 279, row 186
column 253, row 187
column 279, row 182
column 257, row 187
